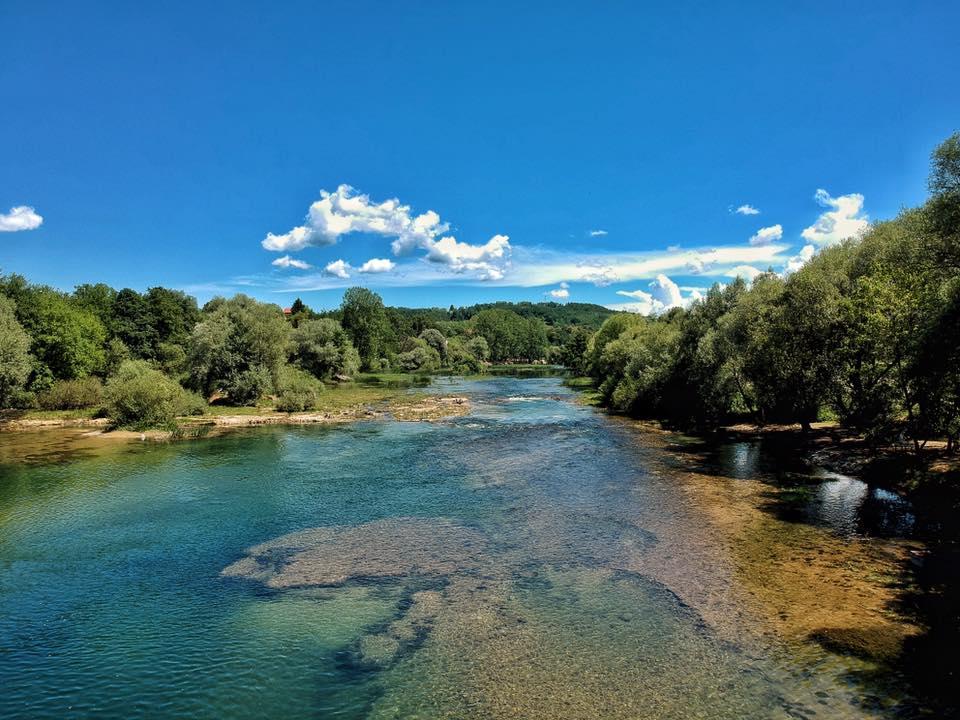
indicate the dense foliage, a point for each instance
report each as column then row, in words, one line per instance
column 104, row 349
column 868, row 332
column 139, row 396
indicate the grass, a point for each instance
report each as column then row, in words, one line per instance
column 372, row 389
column 218, row 410
column 77, row 414
column 587, row 389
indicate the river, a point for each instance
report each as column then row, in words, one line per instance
column 534, row 558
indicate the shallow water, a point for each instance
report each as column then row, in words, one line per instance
column 534, row 558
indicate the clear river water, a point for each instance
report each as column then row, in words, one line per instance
column 532, row 559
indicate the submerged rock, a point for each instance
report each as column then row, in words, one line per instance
column 394, row 547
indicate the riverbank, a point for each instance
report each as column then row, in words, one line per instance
column 338, row 410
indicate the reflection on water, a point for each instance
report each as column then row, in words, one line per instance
column 851, row 507
column 531, row 559
column 845, row 505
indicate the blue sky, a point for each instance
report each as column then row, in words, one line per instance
column 475, row 151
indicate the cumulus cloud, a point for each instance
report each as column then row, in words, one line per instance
column 597, row 233
column 800, row 259
column 20, row 218
column 767, row 235
column 747, row 272
column 485, row 260
column 747, row 210
column 297, row 239
column 663, row 295
column 377, row 265
column 338, row 268
column 665, row 291
column 288, row 262
column 561, row 293
column 344, row 211
column 843, row 220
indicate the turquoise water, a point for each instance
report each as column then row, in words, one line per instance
column 484, row 566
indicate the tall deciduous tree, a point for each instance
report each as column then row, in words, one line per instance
column 14, row 353
column 364, row 317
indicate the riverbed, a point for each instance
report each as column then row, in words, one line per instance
column 532, row 558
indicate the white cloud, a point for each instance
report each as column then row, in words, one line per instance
column 561, row 293
column 747, row 272
column 664, row 294
column 297, row 239
column 747, row 210
column 697, row 266
column 377, row 265
column 344, row 211
column 485, row 260
column 597, row 233
column 20, row 218
column 338, row 268
column 665, row 291
column 288, row 262
column 846, row 219
column 799, row 260
column 537, row 266
column 767, row 235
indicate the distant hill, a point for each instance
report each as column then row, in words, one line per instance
column 551, row 313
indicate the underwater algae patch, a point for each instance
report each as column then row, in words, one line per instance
column 582, row 643
column 800, row 582
column 389, row 548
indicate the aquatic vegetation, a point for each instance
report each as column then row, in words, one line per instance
column 393, row 547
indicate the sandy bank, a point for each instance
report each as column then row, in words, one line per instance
column 425, row 409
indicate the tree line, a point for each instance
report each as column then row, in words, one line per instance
column 867, row 332
column 148, row 357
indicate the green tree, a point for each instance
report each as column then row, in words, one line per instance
column 573, row 353
column 97, row 299
column 435, row 339
column 172, row 316
column 509, row 336
column 15, row 362
column 419, row 358
column 323, row 348
column 67, row 340
column 364, row 318
column 649, row 351
column 133, row 323
column 942, row 210
column 478, row 347
column 238, row 348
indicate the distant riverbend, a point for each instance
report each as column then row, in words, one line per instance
column 522, row 556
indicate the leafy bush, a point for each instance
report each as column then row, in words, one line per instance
column 299, row 391
column 249, row 386
column 139, row 396
column 72, row 394
column 479, row 348
column 421, row 358
column 461, row 360
column 435, row 339
column 323, row 348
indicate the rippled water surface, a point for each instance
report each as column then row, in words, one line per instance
column 532, row 559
